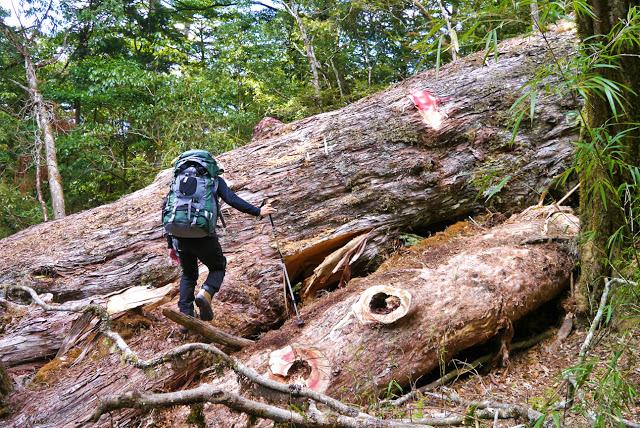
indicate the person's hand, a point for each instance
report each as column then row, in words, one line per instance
column 173, row 256
column 266, row 210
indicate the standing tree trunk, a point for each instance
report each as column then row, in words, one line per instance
column 310, row 52
column 453, row 34
column 601, row 218
column 38, row 165
column 43, row 117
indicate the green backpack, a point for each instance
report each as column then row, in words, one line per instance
column 192, row 207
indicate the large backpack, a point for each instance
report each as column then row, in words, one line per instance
column 192, row 207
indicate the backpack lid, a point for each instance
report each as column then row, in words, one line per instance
column 202, row 157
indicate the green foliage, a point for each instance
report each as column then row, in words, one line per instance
column 18, row 210
column 410, row 239
column 494, row 189
column 135, row 86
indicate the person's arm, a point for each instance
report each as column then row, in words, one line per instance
column 237, row 202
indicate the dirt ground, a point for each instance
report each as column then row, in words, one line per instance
column 534, row 377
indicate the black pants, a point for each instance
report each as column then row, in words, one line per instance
column 209, row 252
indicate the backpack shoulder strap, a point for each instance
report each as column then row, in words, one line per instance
column 215, row 195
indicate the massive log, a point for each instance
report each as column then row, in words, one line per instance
column 424, row 305
column 372, row 167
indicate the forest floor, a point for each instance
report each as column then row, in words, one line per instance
column 534, row 377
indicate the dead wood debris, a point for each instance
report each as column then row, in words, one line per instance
column 454, row 374
column 207, row 330
column 344, row 416
column 586, row 345
column 6, row 386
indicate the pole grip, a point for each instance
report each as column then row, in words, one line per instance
column 264, row 201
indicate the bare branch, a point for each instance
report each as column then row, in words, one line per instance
column 517, row 410
column 208, row 394
column 20, row 85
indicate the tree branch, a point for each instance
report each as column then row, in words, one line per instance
column 517, row 410
column 207, row 330
column 206, row 393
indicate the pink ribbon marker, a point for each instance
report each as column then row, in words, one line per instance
column 427, row 106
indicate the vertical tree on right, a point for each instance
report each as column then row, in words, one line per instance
column 607, row 155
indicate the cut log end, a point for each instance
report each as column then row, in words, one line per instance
column 300, row 365
column 382, row 304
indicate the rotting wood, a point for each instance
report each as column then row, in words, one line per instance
column 5, row 390
column 464, row 292
column 563, row 332
column 335, row 268
column 466, row 368
column 206, row 330
column 37, row 336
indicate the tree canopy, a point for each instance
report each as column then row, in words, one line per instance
column 133, row 83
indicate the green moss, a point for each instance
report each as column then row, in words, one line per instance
column 196, row 416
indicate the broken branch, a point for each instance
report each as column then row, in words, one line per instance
column 516, row 409
column 207, row 330
column 207, row 393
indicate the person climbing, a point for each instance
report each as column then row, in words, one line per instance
column 189, row 216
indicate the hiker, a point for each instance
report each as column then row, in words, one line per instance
column 190, row 216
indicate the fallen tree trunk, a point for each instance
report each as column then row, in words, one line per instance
column 371, row 165
column 424, row 306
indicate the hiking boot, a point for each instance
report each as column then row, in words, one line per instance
column 203, row 302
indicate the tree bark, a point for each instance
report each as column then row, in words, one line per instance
column 601, row 219
column 6, row 387
column 372, row 167
column 463, row 287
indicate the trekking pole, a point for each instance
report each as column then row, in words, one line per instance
column 299, row 321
